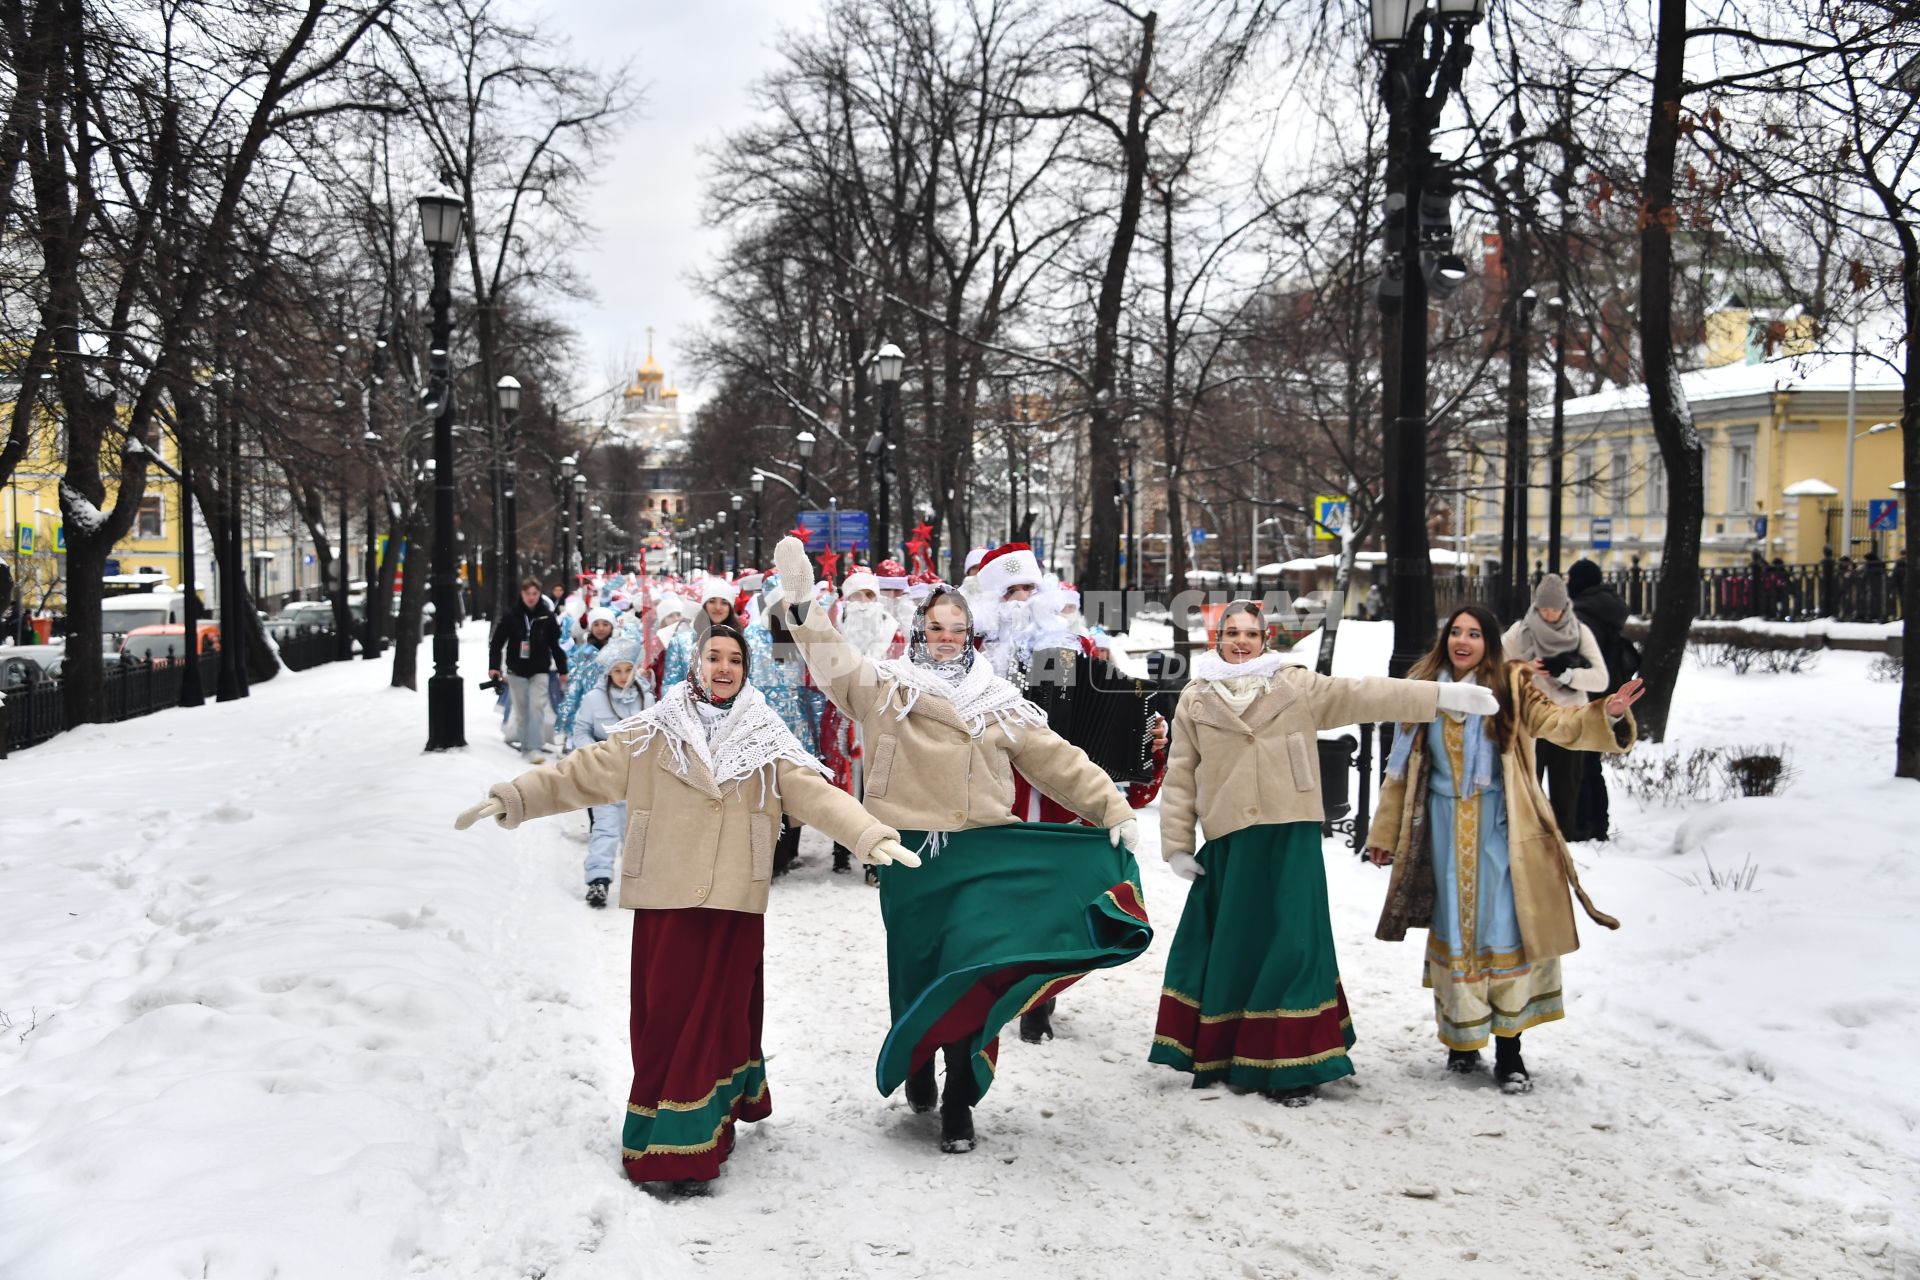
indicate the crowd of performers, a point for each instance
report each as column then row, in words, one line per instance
column 706, row 723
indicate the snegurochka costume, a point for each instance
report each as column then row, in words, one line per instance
column 1252, row 993
column 1480, row 863
column 705, row 785
column 1001, row 915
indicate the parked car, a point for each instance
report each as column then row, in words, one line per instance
column 122, row 615
column 163, row 643
column 308, row 613
column 109, row 654
column 21, row 668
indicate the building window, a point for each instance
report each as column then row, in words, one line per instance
column 1656, row 482
column 150, row 522
column 1740, row 476
column 1617, row 486
column 1583, row 485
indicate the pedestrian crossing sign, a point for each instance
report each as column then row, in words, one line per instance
column 23, row 539
column 1329, row 516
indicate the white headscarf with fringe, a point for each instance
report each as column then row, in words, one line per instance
column 747, row 738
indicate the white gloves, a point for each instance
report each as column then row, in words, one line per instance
column 1127, row 833
column 891, row 853
column 1469, row 699
column 796, row 571
column 491, row 807
column 1186, row 866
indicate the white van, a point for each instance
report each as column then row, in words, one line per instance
column 164, row 604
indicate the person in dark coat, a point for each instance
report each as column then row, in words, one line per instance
column 529, row 638
column 1602, row 611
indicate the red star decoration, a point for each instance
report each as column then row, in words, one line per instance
column 829, row 559
column 800, row 533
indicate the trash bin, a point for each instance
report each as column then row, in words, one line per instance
column 43, row 627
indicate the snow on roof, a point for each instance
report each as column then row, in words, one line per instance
column 1810, row 488
column 1823, row 371
column 1301, row 565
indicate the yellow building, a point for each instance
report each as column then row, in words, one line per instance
column 35, row 542
column 1775, row 438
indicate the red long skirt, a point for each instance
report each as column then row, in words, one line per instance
column 698, row 982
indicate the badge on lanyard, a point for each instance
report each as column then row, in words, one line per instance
column 526, row 650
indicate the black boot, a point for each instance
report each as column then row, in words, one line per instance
column 786, row 850
column 1036, row 1024
column 1463, row 1062
column 597, row 892
column 923, row 1089
column 1509, row 1069
column 1300, row 1096
column 956, row 1103
column 842, row 860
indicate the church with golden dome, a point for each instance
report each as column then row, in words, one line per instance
column 650, row 407
column 649, row 421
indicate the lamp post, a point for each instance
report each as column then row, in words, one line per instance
column 599, row 542
column 1846, row 511
column 1557, row 443
column 1426, row 52
column 1129, row 580
column 579, row 526
column 376, row 603
column 720, row 527
column 191, row 692
column 1514, row 518
column 566, row 518
column 805, row 442
column 759, row 487
column 888, row 362
column 507, row 394
column 441, row 216
column 737, row 501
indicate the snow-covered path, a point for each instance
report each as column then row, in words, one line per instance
column 272, row 1016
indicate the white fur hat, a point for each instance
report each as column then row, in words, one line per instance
column 974, row 557
column 716, row 589
column 1006, row 567
column 862, row 580
column 600, row 613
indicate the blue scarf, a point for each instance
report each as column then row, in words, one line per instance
column 1478, row 751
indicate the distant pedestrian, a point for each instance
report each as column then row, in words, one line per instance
column 529, row 638
column 1602, row 611
column 616, row 696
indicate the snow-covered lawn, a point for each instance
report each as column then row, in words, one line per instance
column 271, row 1016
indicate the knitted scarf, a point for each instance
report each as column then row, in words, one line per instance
column 1478, row 747
column 1550, row 638
column 976, row 694
column 1239, row 683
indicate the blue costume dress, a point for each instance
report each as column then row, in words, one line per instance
column 1476, row 966
column 784, row 682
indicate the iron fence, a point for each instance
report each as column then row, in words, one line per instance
column 1844, row 590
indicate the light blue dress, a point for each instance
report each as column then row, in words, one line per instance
column 604, row 707
column 1476, row 963
column 784, row 682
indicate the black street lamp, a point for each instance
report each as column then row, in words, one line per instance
column 888, row 362
column 507, row 393
column 191, row 692
column 376, row 603
column 579, row 526
column 1426, row 53
column 1557, row 444
column 720, row 538
column 759, row 487
column 737, row 502
column 1516, row 522
column 1130, row 579
column 441, row 215
column 805, row 441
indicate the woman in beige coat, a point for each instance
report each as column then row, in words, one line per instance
column 1252, row 993
column 1568, row 668
column 706, row 774
column 1004, row 915
column 1478, row 860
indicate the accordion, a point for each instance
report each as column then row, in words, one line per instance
column 1094, row 706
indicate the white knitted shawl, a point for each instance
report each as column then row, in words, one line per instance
column 976, row 697
column 751, row 738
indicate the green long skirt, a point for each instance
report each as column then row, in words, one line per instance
column 1252, row 993
column 995, row 921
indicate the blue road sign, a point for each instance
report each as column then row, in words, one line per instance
column 1602, row 538
column 112, row 568
column 1883, row 515
column 836, row 530
column 1198, row 537
column 1759, row 526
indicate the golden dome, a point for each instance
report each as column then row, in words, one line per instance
column 649, row 374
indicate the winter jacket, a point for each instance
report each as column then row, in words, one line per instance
column 925, row 771
column 539, row 629
column 1572, row 687
column 690, row 841
column 1602, row 611
column 604, row 707
column 1537, row 855
column 1232, row 771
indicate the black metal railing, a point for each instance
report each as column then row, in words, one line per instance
column 138, row 687
column 1845, row 590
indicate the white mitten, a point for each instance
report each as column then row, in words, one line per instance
column 796, row 571
column 891, row 852
column 491, row 807
column 1469, row 699
column 1127, row 833
column 1186, row 866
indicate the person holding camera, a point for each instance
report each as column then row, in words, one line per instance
column 1569, row 669
column 527, row 640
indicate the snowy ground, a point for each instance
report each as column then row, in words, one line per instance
column 270, row 1015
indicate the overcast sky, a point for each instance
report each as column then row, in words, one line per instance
column 697, row 59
